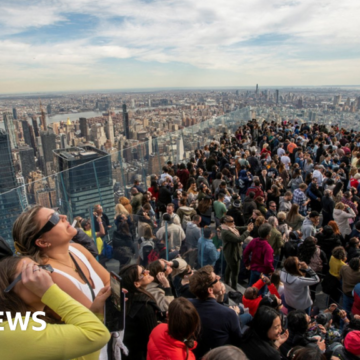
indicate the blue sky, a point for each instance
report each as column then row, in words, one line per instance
column 49, row 45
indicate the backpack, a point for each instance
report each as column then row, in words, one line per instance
column 155, row 254
column 315, row 262
column 145, row 245
column 186, row 218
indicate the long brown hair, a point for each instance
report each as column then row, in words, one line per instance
column 130, row 275
column 291, row 266
column 293, row 212
column 25, row 227
column 10, row 301
column 184, row 322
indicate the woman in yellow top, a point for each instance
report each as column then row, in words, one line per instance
column 331, row 284
column 45, row 235
column 81, row 334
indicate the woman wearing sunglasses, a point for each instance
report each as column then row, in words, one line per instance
column 141, row 311
column 44, row 235
column 29, row 288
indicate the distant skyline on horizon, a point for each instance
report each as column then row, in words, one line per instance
column 84, row 45
column 160, row 89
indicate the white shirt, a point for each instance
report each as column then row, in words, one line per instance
column 280, row 152
column 286, row 161
column 318, row 176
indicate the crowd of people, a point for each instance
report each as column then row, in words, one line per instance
column 273, row 207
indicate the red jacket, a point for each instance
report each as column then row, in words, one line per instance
column 162, row 346
column 253, row 304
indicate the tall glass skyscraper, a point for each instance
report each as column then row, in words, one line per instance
column 85, row 180
column 10, row 197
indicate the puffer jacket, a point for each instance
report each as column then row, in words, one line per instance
column 162, row 346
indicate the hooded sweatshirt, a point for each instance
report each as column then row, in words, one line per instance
column 193, row 234
column 308, row 228
column 262, row 256
column 296, row 288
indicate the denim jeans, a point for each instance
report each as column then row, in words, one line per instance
column 254, row 277
column 347, row 303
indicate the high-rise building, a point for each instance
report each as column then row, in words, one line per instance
column 63, row 141
column 149, row 103
column 10, row 128
column 86, row 180
column 27, row 161
column 109, row 129
column 43, row 119
column 35, row 126
column 15, row 113
column 180, row 149
column 21, row 190
column 84, row 128
column 257, row 89
column 132, row 103
column 49, row 109
column 126, row 122
column 277, row 97
column 10, row 198
column 26, row 132
column 337, row 99
column 48, row 142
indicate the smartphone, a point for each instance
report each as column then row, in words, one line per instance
column 115, row 305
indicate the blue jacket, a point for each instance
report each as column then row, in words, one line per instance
column 207, row 253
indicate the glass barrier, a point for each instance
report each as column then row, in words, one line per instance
column 85, row 176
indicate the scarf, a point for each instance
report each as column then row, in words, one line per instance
column 232, row 229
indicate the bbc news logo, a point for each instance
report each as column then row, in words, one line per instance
column 19, row 321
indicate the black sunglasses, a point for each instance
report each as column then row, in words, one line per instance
column 54, row 220
column 18, row 278
column 214, row 282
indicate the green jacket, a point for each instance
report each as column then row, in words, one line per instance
column 276, row 241
column 232, row 244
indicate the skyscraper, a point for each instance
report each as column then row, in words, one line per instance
column 48, row 142
column 10, row 128
column 15, row 113
column 27, row 161
column 35, row 126
column 86, row 180
column 180, row 148
column 49, row 109
column 26, row 132
column 10, row 201
column 109, row 129
column 277, row 96
column 43, row 118
column 84, row 128
column 126, row 122
column 257, row 89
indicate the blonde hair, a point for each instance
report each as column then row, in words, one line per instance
column 340, row 206
column 281, row 215
column 24, row 229
column 120, row 210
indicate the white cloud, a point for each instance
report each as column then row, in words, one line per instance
column 211, row 35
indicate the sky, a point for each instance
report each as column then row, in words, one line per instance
column 68, row 45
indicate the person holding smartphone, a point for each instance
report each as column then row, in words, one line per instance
column 80, row 334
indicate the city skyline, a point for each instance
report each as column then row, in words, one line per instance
column 77, row 45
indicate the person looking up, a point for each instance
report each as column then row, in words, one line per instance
column 81, row 333
column 219, row 324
